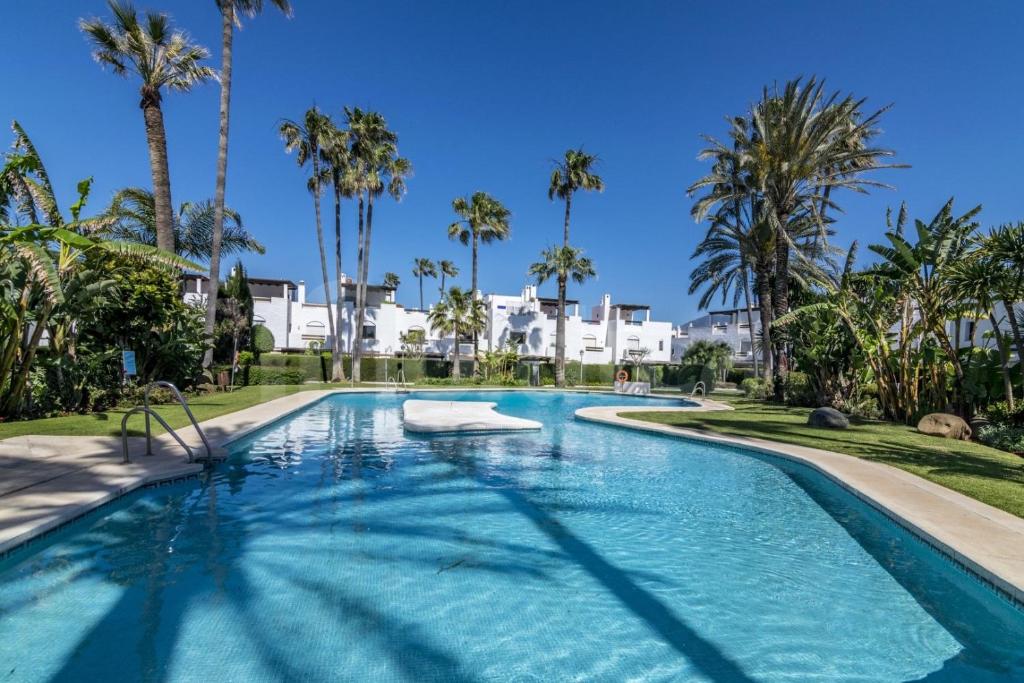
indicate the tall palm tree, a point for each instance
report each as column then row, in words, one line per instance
column 574, row 172
column 447, row 269
column 377, row 169
column 795, row 147
column 306, row 138
column 133, row 213
column 563, row 264
column 336, row 159
column 459, row 314
column 484, row 219
column 230, row 11
column 423, row 267
column 163, row 58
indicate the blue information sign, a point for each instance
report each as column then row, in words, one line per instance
column 128, row 363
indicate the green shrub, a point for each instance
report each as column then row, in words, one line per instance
column 999, row 413
column 311, row 368
column 866, row 407
column 1005, row 437
column 246, row 358
column 262, row 339
column 756, row 388
column 737, row 375
column 257, row 375
column 797, row 390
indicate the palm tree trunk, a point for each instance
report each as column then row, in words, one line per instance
column 337, row 361
column 1011, row 317
column 456, row 368
column 421, row 291
column 750, row 318
column 357, row 334
column 568, row 207
column 1004, row 359
column 323, row 251
column 364, row 277
column 20, row 379
column 560, row 335
column 764, row 301
column 156, row 139
column 780, row 298
column 476, row 337
column 442, row 288
column 227, row 37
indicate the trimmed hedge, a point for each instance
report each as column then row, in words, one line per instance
column 256, row 375
column 310, row 368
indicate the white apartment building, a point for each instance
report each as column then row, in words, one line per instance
column 731, row 326
column 613, row 333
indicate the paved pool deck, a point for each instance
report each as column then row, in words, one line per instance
column 987, row 541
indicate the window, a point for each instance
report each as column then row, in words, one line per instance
column 969, row 330
column 719, row 328
column 661, row 344
column 633, row 343
column 745, row 347
column 517, row 338
column 315, row 328
column 590, row 342
column 369, row 331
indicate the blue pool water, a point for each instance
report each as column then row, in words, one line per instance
column 332, row 546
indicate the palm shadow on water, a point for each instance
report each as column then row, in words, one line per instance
column 218, row 532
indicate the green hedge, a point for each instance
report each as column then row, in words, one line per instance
column 256, row 375
column 310, row 368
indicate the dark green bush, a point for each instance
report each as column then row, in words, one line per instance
column 262, row 339
column 797, row 390
column 755, row 387
column 257, row 375
column 999, row 413
column 1005, row 437
column 738, row 375
column 311, row 368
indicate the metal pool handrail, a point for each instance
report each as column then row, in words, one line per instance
column 188, row 411
column 148, row 412
column 703, row 390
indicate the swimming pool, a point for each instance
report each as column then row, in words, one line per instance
column 332, row 545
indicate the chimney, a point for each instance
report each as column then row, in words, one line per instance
column 302, row 291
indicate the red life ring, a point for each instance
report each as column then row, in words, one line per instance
column 621, row 376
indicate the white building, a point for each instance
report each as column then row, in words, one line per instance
column 731, row 326
column 614, row 332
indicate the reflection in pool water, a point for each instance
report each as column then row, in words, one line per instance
column 334, row 546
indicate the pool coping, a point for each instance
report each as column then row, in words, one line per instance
column 978, row 537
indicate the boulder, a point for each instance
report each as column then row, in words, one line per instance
column 945, row 425
column 829, row 418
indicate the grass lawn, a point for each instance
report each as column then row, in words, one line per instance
column 983, row 473
column 109, row 423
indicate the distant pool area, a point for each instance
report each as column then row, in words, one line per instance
column 334, row 546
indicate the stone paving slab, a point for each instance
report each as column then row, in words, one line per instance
column 986, row 540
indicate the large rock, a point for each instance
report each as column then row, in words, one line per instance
column 829, row 418
column 945, row 425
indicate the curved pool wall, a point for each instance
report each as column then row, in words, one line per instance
column 333, row 546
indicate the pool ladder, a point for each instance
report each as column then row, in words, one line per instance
column 699, row 386
column 145, row 409
column 396, row 383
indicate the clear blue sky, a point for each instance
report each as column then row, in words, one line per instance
column 485, row 94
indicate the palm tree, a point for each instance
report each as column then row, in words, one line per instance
column 562, row 263
column 230, row 11
column 459, row 314
column 449, row 269
column 161, row 57
column 336, row 158
column 376, row 168
column 306, row 139
column 133, row 213
column 574, row 172
column 391, row 280
column 423, row 267
column 484, row 219
column 794, row 148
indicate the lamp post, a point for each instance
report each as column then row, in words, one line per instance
column 582, row 351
